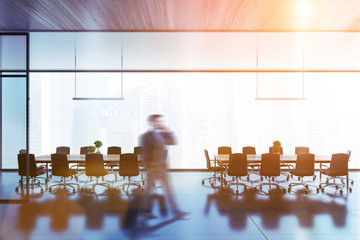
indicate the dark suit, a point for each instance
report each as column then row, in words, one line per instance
column 155, row 154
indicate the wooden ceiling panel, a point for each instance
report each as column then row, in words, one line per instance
column 179, row 15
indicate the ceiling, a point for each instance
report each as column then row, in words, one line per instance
column 179, row 15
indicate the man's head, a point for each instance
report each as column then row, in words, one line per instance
column 157, row 122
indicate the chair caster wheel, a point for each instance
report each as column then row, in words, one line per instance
column 237, row 191
column 289, row 190
column 322, row 190
column 341, row 192
column 203, row 182
column 317, row 190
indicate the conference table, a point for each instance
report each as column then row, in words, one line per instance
column 78, row 158
column 223, row 160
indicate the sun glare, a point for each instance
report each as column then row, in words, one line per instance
column 303, row 9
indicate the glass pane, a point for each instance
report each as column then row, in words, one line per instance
column 280, row 51
column 332, row 51
column 98, row 51
column 189, row 51
column 98, row 85
column 53, row 51
column 13, row 120
column 205, row 110
column 280, row 85
column 12, row 52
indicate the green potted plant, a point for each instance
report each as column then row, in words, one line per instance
column 91, row 149
column 276, row 146
column 98, row 144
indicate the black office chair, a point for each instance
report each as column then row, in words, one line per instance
column 238, row 167
column 270, row 168
column 348, row 152
column 129, row 167
column 34, row 173
column 22, row 151
column 304, row 167
column 285, row 167
column 251, row 151
column 63, row 150
column 60, row 167
column 94, row 167
column 211, row 166
column 81, row 166
column 299, row 150
column 84, row 150
column 224, row 150
column 140, row 151
column 113, row 150
column 338, row 168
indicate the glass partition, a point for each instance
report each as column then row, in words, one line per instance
column 205, row 109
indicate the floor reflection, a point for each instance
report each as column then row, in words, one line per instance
column 271, row 209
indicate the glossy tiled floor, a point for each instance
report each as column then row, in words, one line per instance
column 213, row 214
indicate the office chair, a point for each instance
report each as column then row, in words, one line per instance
column 113, row 150
column 22, row 151
column 211, row 166
column 140, row 151
column 338, row 168
column 299, row 150
column 94, row 167
column 63, row 150
column 269, row 168
column 283, row 165
column 129, row 167
column 34, row 173
column 224, row 150
column 83, row 151
column 304, row 167
column 251, row 151
column 60, row 167
column 348, row 152
column 238, row 167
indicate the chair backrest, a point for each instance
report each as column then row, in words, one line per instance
column 63, row 150
column 139, row 150
column 305, row 164
column 348, row 152
column 84, row 150
column 59, row 164
column 22, row 165
column 128, row 165
column 339, row 164
column 114, row 150
column 94, row 165
column 249, row 150
column 22, row 151
column 270, row 164
column 238, row 165
column 299, row 150
column 224, row 150
column 271, row 150
column 207, row 158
